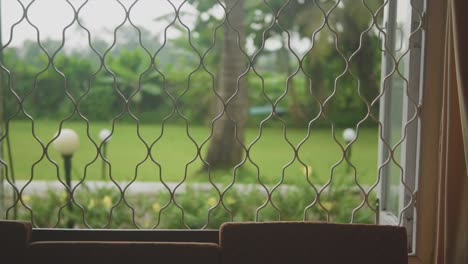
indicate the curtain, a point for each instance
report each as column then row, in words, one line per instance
column 453, row 191
column 460, row 37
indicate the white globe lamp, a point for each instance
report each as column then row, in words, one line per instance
column 105, row 135
column 67, row 142
column 349, row 135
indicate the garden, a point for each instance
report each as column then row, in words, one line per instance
column 244, row 132
column 197, row 198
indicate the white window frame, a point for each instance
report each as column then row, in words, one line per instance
column 410, row 146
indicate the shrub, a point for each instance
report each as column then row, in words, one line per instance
column 105, row 208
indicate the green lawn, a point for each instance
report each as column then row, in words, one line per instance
column 175, row 150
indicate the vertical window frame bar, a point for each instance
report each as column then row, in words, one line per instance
column 385, row 107
column 410, row 148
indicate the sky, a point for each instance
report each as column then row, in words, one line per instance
column 99, row 16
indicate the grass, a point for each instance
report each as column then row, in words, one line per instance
column 127, row 154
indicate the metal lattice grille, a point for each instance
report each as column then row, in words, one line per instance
column 227, row 54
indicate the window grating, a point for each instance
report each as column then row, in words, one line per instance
column 217, row 111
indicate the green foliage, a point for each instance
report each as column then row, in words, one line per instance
column 97, row 104
column 176, row 71
column 104, row 208
column 43, row 88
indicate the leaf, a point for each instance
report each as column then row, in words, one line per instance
column 124, row 73
column 105, row 80
column 152, row 89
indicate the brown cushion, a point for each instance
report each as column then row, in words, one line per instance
column 302, row 242
column 122, row 252
column 14, row 237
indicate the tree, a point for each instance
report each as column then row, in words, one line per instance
column 324, row 64
column 130, row 67
column 225, row 149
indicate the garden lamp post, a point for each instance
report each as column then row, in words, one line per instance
column 105, row 137
column 67, row 143
column 349, row 135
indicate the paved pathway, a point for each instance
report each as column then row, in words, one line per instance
column 136, row 187
column 36, row 187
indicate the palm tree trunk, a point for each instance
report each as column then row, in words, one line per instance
column 225, row 149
